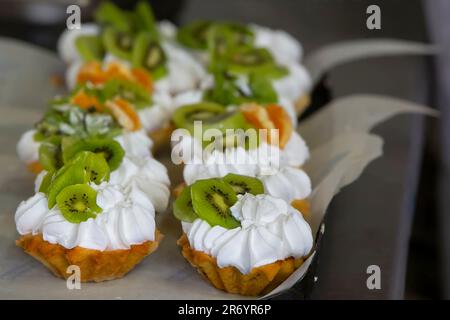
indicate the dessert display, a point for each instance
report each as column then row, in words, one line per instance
column 244, row 200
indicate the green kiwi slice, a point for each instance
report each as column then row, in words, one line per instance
column 148, row 54
column 128, row 90
column 66, row 176
column 182, row 207
column 89, row 47
column 85, row 167
column 185, row 116
column 212, row 199
column 46, row 181
column 244, row 184
column 110, row 149
column 145, row 19
column 78, row 203
column 258, row 61
column 211, row 114
column 96, row 169
column 118, row 43
column 195, row 34
column 50, row 155
column 111, row 15
column 242, row 35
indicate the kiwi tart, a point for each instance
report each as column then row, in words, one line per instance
column 129, row 36
column 245, row 234
column 78, row 217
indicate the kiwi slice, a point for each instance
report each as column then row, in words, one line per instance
column 211, row 114
column 89, row 47
column 66, row 176
column 182, row 207
column 244, row 184
column 212, row 199
column 46, row 181
column 258, row 61
column 145, row 19
column 234, row 139
column 262, row 90
column 128, row 90
column 111, row 15
column 78, row 203
column 96, row 169
column 148, row 54
column 185, row 116
column 272, row 71
column 85, row 167
column 195, row 34
column 110, row 149
column 50, row 156
column 242, row 34
column 118, row 43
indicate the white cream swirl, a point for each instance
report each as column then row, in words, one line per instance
column 271, row 230
column 296, row 84
column 27, row 148
column 146, row 175
column 277, row 169
column 127, row 218
column 184, row 72
column 135, row 143
column 283, row 46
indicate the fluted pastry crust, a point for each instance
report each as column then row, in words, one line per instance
column 259, row 281
column 94, row 265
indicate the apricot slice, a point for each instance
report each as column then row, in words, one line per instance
column 85, row 101
column 94, row 73
column 124, row 113
column 35, row 167
column 270, row 117
column 281, row 121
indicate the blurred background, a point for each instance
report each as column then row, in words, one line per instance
column 395, row 215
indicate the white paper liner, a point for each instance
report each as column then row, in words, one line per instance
column 341, row 147
column 330, row 56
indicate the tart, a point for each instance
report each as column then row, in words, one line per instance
column 94, row 213
column 240, row 239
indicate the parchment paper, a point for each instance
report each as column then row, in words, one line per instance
column 341, row 147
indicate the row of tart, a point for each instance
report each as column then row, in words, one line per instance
column 99, row 186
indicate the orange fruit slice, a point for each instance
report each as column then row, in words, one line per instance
column 270, row 117
column 124, row 113
column 85, row 101
column 281, row 121
column 94, row 73
column 143, row 78
column 91, row 72
column 35, row 167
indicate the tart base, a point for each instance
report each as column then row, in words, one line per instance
column 161, row 137
column 35, row 167
column 95, row 265
column 302, row 103
column 259, row 281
